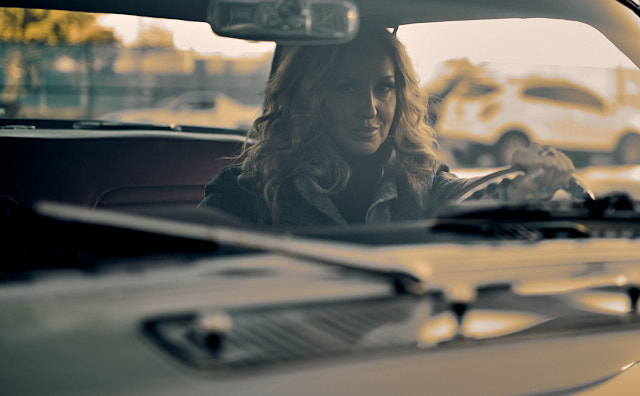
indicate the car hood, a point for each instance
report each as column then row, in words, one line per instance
column 313, row 317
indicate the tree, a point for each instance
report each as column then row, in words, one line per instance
column 154, row 37
column 32, row 26
column 51, row 27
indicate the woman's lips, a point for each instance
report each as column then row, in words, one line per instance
column 365, row 131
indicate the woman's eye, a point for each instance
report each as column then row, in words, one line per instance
column 385, row 88
column 346, row 88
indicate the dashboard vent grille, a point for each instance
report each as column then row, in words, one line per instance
column 264, row 336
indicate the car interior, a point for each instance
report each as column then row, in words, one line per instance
column 151, row 169
column 164, row 168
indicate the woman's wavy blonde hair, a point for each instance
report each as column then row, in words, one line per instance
column 290, row 135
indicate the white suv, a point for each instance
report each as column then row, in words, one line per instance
column 486, row 116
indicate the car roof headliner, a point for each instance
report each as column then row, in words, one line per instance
column 392, row 12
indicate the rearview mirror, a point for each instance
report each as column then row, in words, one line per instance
column 285, row 21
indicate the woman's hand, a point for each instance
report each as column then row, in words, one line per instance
column 547, row 170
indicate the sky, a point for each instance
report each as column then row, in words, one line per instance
column 529, row 42
column 186, row 35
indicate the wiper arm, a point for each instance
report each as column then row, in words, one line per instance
column 117, row 126
column 105, row 125
column 501, row 230
column 542, row 220
column 613, row 206
column 32, row 123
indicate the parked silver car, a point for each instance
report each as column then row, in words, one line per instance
column 202, row 108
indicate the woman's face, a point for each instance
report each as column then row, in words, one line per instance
column 361, row 100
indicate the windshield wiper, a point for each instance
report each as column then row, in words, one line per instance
column 615, row 215
column 117, row 126
column 33, row 123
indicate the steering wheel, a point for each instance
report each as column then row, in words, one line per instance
column 575, row 188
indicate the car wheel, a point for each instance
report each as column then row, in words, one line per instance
column 508, row 144
column 628, row 151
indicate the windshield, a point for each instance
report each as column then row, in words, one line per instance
column 393, row 126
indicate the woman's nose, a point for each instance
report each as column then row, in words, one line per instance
column 367, row 105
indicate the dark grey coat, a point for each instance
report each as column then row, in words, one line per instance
column 300, row 204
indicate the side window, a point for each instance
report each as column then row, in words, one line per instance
column 569, row 95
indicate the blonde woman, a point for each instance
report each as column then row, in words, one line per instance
column 343, row 141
